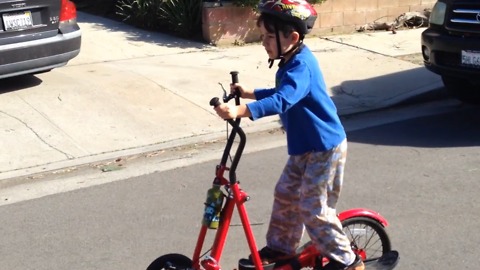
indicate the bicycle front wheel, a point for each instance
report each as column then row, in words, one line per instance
column 171, row 261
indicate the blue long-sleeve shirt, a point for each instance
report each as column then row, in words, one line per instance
column 300, row 97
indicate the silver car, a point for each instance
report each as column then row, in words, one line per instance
column 37, row 35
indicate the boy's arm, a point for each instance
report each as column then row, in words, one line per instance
column 243, row 111
column 263, row 93
column 293, row 87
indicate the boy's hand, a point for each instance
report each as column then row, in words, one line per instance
column 227, row 111
column 244, row 91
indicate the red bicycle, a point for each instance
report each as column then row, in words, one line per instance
column 365, row 228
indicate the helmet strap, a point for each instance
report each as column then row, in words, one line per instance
column 281, row 55
column 279, row 48
column 270, row 62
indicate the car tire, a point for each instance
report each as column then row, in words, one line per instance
column 462, row 89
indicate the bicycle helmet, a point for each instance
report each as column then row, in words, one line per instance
column 299, row 12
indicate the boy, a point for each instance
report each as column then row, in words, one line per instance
column 307, row 191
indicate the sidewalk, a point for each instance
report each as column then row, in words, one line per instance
column 145, row 91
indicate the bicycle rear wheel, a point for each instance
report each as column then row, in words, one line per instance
column 367, row 236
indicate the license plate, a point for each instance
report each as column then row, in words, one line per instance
column 18, row 20
column 471, row 58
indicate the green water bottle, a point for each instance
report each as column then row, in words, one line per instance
column 213, row 207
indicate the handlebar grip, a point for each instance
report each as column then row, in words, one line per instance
column 234, row 76
column 215, row 102
column 235, row 80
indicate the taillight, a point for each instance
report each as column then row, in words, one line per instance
column 68, row 11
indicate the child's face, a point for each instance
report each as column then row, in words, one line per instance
column 269, row 42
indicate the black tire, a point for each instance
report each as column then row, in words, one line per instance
column 462, row 89
column 171, row 262
column 368, row 237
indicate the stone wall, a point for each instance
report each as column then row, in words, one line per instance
column 225, row 24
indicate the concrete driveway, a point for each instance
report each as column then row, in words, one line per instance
column 132, row 91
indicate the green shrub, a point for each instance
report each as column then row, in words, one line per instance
column 184, row 17
column 181, row 17
column 97, row 7
column 141, row 13
column 254, row 3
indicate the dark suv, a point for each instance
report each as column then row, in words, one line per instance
column 451, row 47
column 37, row 35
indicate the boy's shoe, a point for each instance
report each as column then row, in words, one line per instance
column 270, row 256
column 356, row 265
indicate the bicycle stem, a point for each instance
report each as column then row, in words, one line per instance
column 236, row 129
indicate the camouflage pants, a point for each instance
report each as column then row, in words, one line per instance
column 305, row 198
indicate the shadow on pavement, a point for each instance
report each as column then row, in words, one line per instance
column 19, row 83
column 384, row 90
column 460, row 128
column 136, row 34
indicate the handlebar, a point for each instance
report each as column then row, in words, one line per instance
column 236, row 129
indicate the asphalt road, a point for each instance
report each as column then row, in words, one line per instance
column 418, row 166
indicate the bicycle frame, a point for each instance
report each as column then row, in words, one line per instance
column 235, row 198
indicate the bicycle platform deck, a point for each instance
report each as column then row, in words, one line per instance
column 388, row 261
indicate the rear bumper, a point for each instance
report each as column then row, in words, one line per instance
column 39, row 55
column 445, row 52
